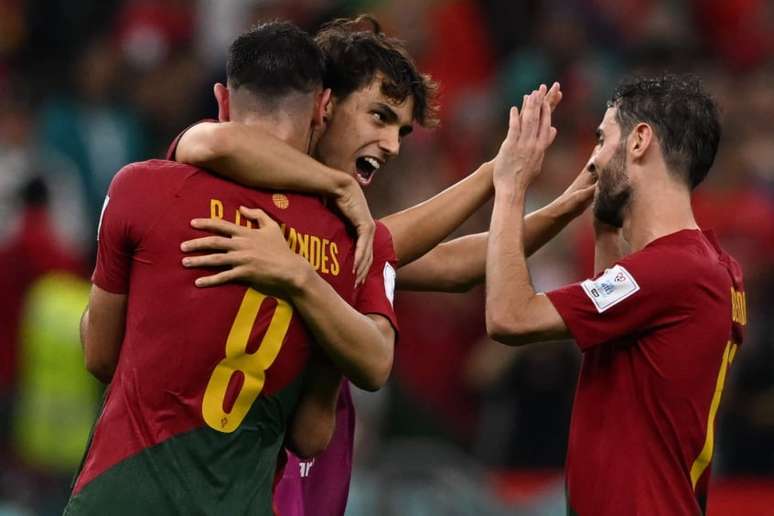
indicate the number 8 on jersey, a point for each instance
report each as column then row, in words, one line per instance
column 252, row 365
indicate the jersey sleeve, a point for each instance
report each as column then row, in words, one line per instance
column 117, row 232
column 636, row 294
column 377, row 294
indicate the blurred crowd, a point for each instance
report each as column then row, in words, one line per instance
column 88, row 86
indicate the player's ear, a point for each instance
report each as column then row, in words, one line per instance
column 222, row 96
column 321, row 107
column 640, row 140
column 329, row 105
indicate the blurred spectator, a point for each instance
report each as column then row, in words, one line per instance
column 31, row 252
column 91, row 127
column 56, row 398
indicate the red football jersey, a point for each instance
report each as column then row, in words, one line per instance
column 207, row 377
column 658, row 332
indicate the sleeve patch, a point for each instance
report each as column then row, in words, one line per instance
column 609, row 289
column 389, row 282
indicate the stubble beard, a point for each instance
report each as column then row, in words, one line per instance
column 613, row 191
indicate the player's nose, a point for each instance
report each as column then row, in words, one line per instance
column 389, row 143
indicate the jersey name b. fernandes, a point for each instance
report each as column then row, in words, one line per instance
column 196, row 412
column 658, row 331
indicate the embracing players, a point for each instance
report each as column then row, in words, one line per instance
column 203, row 382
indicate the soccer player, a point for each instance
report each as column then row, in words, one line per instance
column 365, row 124
column 660, row 322
column 206, row 379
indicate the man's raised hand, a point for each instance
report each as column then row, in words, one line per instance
column 520, row 158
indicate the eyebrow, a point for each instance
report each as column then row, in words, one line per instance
column 391, row 117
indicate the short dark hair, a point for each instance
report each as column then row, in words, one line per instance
column 684, row 117
column 356, row 50
column 275, row 59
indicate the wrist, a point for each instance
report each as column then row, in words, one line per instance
column 300, row 276
column 508, row 191
column 341, row 184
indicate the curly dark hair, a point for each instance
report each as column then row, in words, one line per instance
column 683, row 116
column 356, row 50
column 274, row 59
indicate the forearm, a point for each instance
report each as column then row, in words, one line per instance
column 314, row 421
column 102, row 331
column 353, row 341
column 544, row 224
column 418, row 229
column 255, row 158
column 508, row 286
column 458, row 265
column 454, row 266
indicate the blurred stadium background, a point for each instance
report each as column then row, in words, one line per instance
column 465, row 426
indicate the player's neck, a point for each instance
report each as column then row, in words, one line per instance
column 657, row 212
column 285, row 128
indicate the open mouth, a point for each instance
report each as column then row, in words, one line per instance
column 366, row 167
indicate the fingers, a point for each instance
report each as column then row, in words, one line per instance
column 364, row 253
column 218, row 226
column 530, row 115
column 514, row 124
column 220, row 278
column 552, row 135
column 584, row 194
column 214, row 260
column 364, row 257
column 258, row 215
column 554, row 95
column 210, row 243
column 544, row 131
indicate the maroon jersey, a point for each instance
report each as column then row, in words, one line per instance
column 195, row 416
column 320, row 487
column 658, row 332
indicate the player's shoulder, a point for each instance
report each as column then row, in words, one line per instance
column 153, row 178
column 139, row 171
column 679, row 259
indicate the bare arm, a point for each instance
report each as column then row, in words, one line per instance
column 418, row 229
column 515, row 313
column 314, row 420
column 458, row 265
column 255, row 158
column 252, row 157
column 361, row 346
column 102, row 331
column 454, row 266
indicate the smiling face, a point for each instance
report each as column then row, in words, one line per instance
column 364, row 131
column 608, row 161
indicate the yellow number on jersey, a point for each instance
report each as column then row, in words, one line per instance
column 252, row 365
